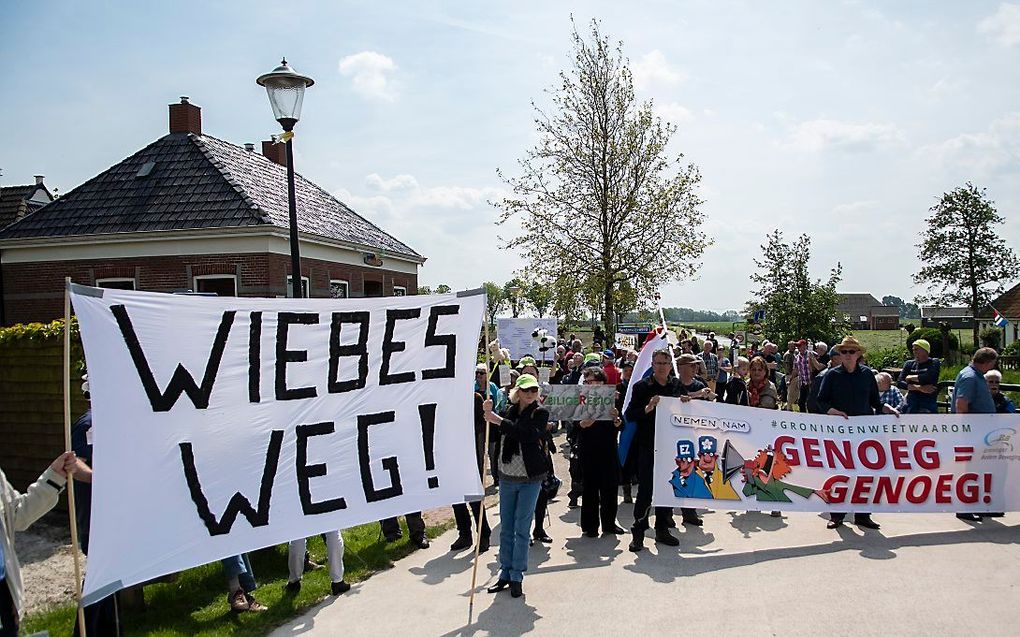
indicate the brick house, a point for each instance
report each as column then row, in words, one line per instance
column 1008, row 304
column 18, row 201
column 193, row 212
column 864, row 312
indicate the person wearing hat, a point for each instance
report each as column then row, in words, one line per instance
column 523, row 464
column 851, row 390
column 920, row 377
column 609, row 367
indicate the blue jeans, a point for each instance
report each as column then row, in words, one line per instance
column 239, row 566
column 516, row 511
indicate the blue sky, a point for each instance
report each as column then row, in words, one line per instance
column 842, row 120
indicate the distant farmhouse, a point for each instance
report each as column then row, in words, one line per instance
column 191, row 212
column 1008, row 306
column 955, row 317
column 865, row 312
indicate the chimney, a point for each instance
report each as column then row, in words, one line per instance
column 39, row 180
column 185, row 117
column 250, row 147
column 275, row 152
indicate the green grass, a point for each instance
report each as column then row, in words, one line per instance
column 196, row 604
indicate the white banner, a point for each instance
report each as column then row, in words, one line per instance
column 721, row 456
column 579, row 402
column 224, row 425
column 516, row 334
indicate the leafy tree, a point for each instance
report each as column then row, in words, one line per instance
column 514, row 291
column 424, row 289
column 443, row 288
column 907, row 310
column 495, row 301
column 795, row 306
column 540, row 296
column 965, row 260
column 599, row 177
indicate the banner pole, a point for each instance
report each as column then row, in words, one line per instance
column 665, row 332
column 75, row 549
column 481, row 505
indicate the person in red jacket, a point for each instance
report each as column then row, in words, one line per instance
column 609, row 367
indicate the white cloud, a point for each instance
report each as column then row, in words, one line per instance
column 823, row 134
column 995, row 149
column 400, row 182
column 1003, row 26
column 652, row 71
column 370, row 74
column 674, row 112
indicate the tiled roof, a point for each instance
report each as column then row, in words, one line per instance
column 198, row 182
column 945, row 312
column 1008, row 304
column 14, row 203
column 856, row 304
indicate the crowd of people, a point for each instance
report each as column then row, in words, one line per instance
column 807, row 377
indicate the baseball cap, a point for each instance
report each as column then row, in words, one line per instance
column 526, row 381
column 923, row 344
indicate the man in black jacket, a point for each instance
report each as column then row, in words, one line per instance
column 641, row 410
column 851, row 390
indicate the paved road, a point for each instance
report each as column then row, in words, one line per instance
column 922, row 574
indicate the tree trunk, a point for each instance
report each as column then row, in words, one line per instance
column 609, row 315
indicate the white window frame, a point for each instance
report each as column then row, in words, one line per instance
column 345, row 283
column 205, row 277
column 306, row 287
column 403, row 290
column 117, row 279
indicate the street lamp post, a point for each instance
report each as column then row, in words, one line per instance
column 286, row 90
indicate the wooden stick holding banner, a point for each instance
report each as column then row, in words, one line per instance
column 665, row 332
column 75, row 549
column 481, row 504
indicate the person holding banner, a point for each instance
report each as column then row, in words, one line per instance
column 523, row 464
column 851, row 390
column 296, row 563
column 528, row 366
column 641, row 410
column 18, row 511
column 600, row 466
column 460, row 510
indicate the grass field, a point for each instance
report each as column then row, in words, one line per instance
column 196, row 604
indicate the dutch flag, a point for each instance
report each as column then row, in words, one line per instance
column 999, row 319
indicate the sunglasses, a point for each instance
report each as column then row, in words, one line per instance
column 529, row 390
column 479, row 373
column 848, row 352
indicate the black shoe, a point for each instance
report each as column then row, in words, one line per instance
column 543, row 537
column 694, row 521
column 867, row 523
column 420, row 542
column 637, row 544
column 591, row 533
column 834, row 524
column 293, row 587
column 663, row 536
column 462, row 542
column 498, row 586
column 339, row 588
column 483, row 544
column 992, row 515
column 616, row 529
column 572, row 503
column 390, row 539
column 969, row 517
column 516, row 589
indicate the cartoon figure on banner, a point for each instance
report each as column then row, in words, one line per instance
column 686, row 483
column 763, row 478
column 708, row 468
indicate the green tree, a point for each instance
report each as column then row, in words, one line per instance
column 424, row 289
column 795, row 305
column 495, row 301
column 600, row 178
column 443, row 288
column 539, row 296
column 514, row 292
column 965, row 260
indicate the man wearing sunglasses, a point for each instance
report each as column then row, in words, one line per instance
column 851, row 390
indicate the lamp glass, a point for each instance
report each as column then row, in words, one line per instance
column 285, row 96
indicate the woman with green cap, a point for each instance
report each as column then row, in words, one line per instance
column 522, row 464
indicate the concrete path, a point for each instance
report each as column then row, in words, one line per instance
column 922, row 574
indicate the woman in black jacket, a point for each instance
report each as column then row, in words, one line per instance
column 523, row 464
column 600, row 464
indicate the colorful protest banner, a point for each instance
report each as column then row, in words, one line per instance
column 721, row 456
column 627, row 341
column 516, row 334
column 579, row 402
column 223, row 425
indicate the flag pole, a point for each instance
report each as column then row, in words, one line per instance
column 75, row 549
column 481, row 504
column 665, row 333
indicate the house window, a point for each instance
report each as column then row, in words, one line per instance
column 116, row 283
column 218, row 284
column 304, row 287
column 399, row 290
column 339, row 289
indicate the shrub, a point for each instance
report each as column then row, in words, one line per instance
column 991, row 337
column 934, row 336
column 884, row 357
column 1013, row 349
